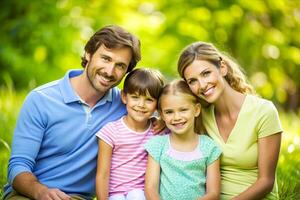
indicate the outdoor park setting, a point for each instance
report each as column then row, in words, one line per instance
column 41, row 40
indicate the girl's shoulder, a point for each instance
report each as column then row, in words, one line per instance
column 207, row 143
column 158, row 139
column 156, row 146
column 206, row 139
column 209, row 148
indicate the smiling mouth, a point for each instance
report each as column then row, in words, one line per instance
column 208, row 91
column 179, row 125
column 104, row 80
column 139, row 111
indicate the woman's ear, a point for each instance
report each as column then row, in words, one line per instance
column 123, row 97
column 223, row 68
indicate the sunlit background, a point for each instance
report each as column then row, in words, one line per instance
column 41, row 40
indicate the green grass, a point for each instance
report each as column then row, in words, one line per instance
column 10, row 103
column 288, row 171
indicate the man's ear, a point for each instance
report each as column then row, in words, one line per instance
column 123, row 97
column 87, row 56
column 223, row 68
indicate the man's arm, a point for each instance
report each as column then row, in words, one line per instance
column 27, row 140
column 28, row 185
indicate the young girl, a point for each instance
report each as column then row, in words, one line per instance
column 181, row 165
column 246, row 127
column 122, row 158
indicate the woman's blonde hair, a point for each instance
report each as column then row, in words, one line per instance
column 177, row 87
column 207, row 51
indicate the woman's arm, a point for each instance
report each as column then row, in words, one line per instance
column 152, row 179
column 268, row 153
column 213, row 181
column 103, row 170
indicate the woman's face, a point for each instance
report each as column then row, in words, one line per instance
column 205, row 79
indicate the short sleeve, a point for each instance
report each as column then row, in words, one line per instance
column 155, row 145
column 269, row 123
column 213, row 150
column 107, row 134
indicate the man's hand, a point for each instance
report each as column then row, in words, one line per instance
column 52, row 194
column 28, row 185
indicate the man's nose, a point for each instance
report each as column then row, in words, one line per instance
column 109, row 68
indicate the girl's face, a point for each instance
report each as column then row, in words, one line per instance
column 139, row 107
column 179, row 112
column 205, row 79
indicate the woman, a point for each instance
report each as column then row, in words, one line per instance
column 246, row 127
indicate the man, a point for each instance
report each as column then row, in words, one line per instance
column 54, row 149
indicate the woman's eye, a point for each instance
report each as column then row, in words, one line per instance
column 191, row 82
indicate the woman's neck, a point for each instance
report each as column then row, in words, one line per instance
column 229, row 103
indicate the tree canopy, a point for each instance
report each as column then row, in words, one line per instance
column 40, row 40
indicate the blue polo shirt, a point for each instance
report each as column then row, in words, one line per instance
column 55, row 136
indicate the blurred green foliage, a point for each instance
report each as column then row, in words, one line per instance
column 40, row 40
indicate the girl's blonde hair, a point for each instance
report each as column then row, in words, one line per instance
column 207, row 51
column 180, row 87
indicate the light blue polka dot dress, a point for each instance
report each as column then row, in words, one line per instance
column 183, row 174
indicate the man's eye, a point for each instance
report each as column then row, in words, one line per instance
column 206, row 73
column 121, row 66
column 106, row 59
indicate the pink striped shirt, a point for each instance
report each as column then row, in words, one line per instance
column 129, row 157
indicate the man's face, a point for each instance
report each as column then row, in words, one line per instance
column 106, row 67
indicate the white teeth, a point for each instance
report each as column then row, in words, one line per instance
column 209, row 91
column 140, row 111
column 179, row 124
column 105, row 79
column 102, row 79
